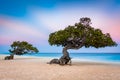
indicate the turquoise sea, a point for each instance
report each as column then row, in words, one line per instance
column 109, row 57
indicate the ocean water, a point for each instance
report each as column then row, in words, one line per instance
column 109, row 57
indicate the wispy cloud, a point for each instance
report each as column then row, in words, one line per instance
column 13, row 29
column 112, row 26
column 60, row 18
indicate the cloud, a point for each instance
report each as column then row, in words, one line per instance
column 112, row 26
column 13, row 29
column 60, row 18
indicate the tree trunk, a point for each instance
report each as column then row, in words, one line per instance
column 65, row 58
column 9, row 57
column 12, row 56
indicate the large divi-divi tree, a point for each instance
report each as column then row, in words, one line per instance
column 80, row 35
column 20, row 48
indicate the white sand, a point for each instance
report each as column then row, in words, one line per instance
column 32, row 68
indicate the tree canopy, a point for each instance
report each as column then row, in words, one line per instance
column 79, row 35
column 23, row 47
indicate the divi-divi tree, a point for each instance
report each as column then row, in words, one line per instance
column 82, row 34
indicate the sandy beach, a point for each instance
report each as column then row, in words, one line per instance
column 31, row 68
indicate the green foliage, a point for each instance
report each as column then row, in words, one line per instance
column 97, row 39
column 20, row 48
column 94, row 37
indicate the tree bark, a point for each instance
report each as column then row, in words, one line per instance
column 9, row 57
column 12, row 56
column 65, row 59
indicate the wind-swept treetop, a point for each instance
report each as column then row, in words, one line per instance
column 20, row 48
column 79, row 35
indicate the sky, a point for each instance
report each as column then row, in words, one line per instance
column 34, row 20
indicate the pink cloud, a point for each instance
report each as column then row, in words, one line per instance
column 18, row 30
column 62, row 17
column 112, row 26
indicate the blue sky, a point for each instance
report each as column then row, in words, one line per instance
column 34, row 20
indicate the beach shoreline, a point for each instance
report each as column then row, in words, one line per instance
column 76, row 60
column 36, row 68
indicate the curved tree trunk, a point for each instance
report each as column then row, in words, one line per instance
column 9, row 57
column 65, row 59
column 12, row 56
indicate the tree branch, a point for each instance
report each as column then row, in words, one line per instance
column 76, row 43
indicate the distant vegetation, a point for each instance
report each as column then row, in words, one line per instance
column 78, row 36
column 20, row 48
